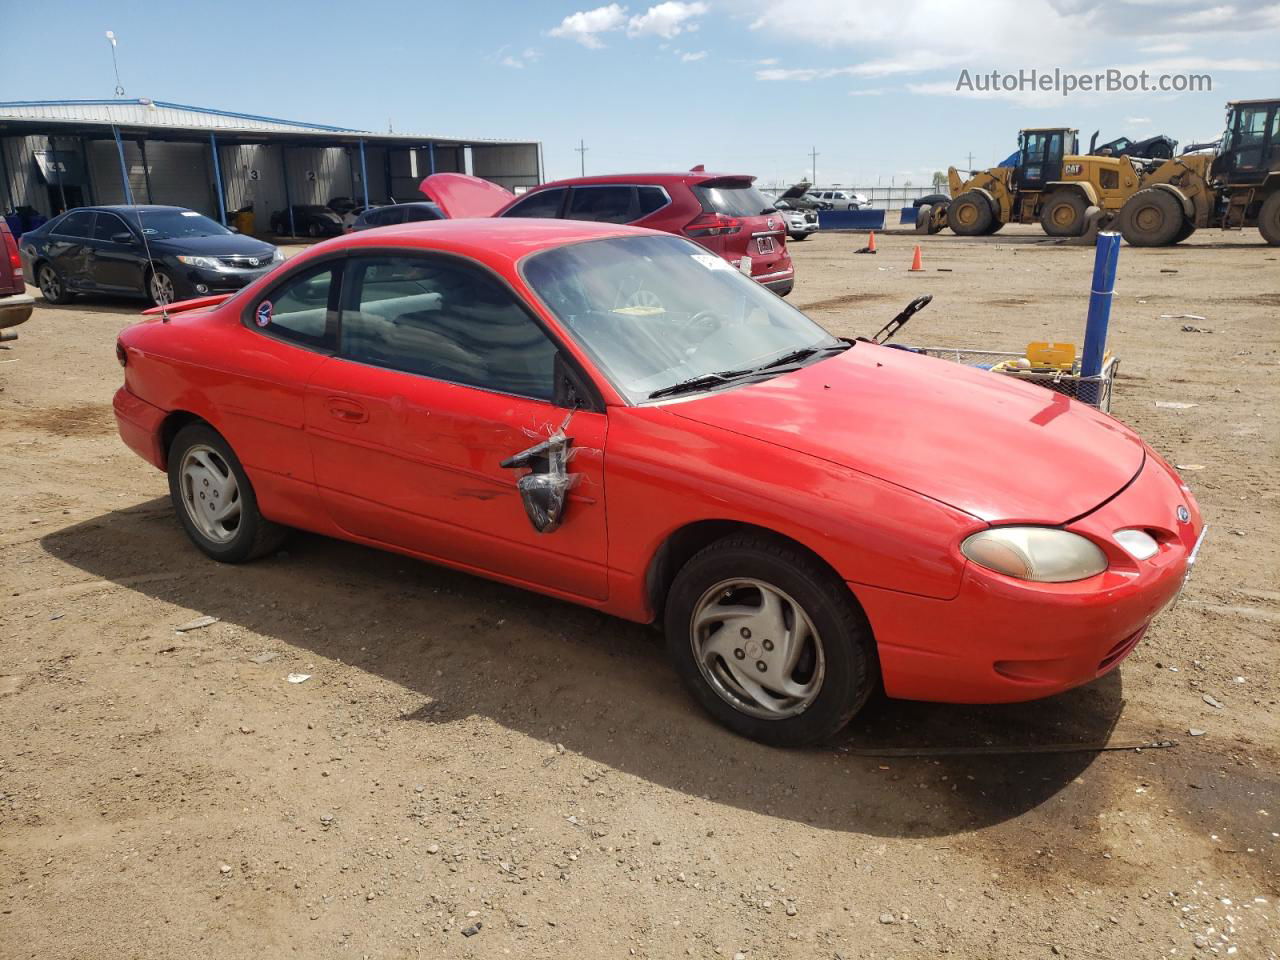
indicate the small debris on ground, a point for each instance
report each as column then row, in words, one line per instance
column 472, row 930
column 298, row 677
column 264, row 657
column 196, row 624
column 1175, row 404
column 1208, row 698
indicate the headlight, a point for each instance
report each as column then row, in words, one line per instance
column 1042, row 554
column 208, row 263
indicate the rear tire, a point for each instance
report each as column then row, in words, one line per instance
column 970, row 215
column 1151, row 218
column 1188, row 228
column 772, row 595
column 52, row 287
column 205, row 478
column 1269, row 219
column 1063, row 214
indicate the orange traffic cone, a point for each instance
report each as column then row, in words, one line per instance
column 916, row 265
column 871, row 243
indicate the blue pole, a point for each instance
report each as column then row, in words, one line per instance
column 124, row 170
column 1095, row 328
column 217, row 179
column 288, row 204
column 364, row 175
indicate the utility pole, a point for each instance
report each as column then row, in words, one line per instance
column 971, row 161
column 813, row 158
column 581, row 150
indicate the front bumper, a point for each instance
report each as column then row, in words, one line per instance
column 15, row 309
column 1004, row 640
column 200, row 281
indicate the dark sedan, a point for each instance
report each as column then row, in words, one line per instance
column 161, row 253
column 310, row 221
column 397, row 213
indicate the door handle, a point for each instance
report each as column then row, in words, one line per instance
column 347, row 411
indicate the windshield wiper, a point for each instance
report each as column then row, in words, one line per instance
column 698, row 382
column 804, row 353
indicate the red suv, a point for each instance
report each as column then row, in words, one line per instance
column 15, row 305
column 723, row 212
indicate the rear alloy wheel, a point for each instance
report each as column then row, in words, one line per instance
column 1269, row 219
column 1151, row 218
column 1063, row 214
column 769, row 641
column 214, row 500
column 970, row 215
column 313, row 229
column 160, row 287
column 51, row 286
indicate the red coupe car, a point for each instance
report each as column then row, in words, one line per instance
column 618, row 418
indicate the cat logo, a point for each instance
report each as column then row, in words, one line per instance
column 1072, row 169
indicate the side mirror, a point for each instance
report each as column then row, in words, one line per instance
column 124, row 236
column 545, row 490
column 233, row 229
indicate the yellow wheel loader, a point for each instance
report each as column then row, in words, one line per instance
column 1237, row 185
column 1047, row 181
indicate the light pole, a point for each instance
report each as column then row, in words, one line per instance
column 111, row 39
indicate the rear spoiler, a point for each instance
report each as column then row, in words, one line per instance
column 182, row 306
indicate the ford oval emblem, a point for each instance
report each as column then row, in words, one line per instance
column 1184, row 515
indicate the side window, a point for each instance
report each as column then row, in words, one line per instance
column 390, row 216
column 413, row 214
column 651, row 199
column 611, row 204
column 302, row 309
column 107, row 226
column 544, row 203
column 79, row 223
column 447, row 320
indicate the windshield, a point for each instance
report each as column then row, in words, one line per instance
column 656, row 311
column 173, row 224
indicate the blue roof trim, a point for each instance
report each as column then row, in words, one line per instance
column 180, row 106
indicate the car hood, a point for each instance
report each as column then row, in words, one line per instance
column 231, row 245
column 461, row 196
column 796, row 190
column 1000, row 450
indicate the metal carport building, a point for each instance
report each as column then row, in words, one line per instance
column 55, row 155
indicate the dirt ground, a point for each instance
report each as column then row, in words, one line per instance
column 466, row 755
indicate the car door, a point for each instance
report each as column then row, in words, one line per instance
column 68, row 249
column 113, row 264
column 442, row 375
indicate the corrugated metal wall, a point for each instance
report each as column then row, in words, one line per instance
column 26, row 186
column 511, row 166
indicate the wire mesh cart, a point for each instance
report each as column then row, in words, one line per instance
column 1095, row 391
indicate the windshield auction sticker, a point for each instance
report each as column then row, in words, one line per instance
column 712, row 262
column 263, row 316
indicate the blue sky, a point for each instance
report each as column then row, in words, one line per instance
column 743, row 86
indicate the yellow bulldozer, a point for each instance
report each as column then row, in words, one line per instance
column 1237, row 185
column 1046, row 181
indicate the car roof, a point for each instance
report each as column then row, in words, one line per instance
column 494, row 241
column 127, row 207
column 655, row 179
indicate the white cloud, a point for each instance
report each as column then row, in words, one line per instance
column 518, row 61
column 692, row 57
column 867, row 92
column 666, row 19
column 1137, row 121
column 1174, row 47
column 585, row 26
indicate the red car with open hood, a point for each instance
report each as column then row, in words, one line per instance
column 723, row 212
column 619, row 418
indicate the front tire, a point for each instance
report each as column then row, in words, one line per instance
column 1269, row 219
column 769, row 641
column 1151, row 218
column 1063, row 214
column 214, row 499
column 161, row 289
column 970, row 215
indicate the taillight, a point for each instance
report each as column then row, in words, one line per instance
column 713, row 225
column 121, row 355
column 15, row 260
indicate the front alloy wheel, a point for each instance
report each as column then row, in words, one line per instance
column 160, row 288
column 769, row 640
column 757, row 648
